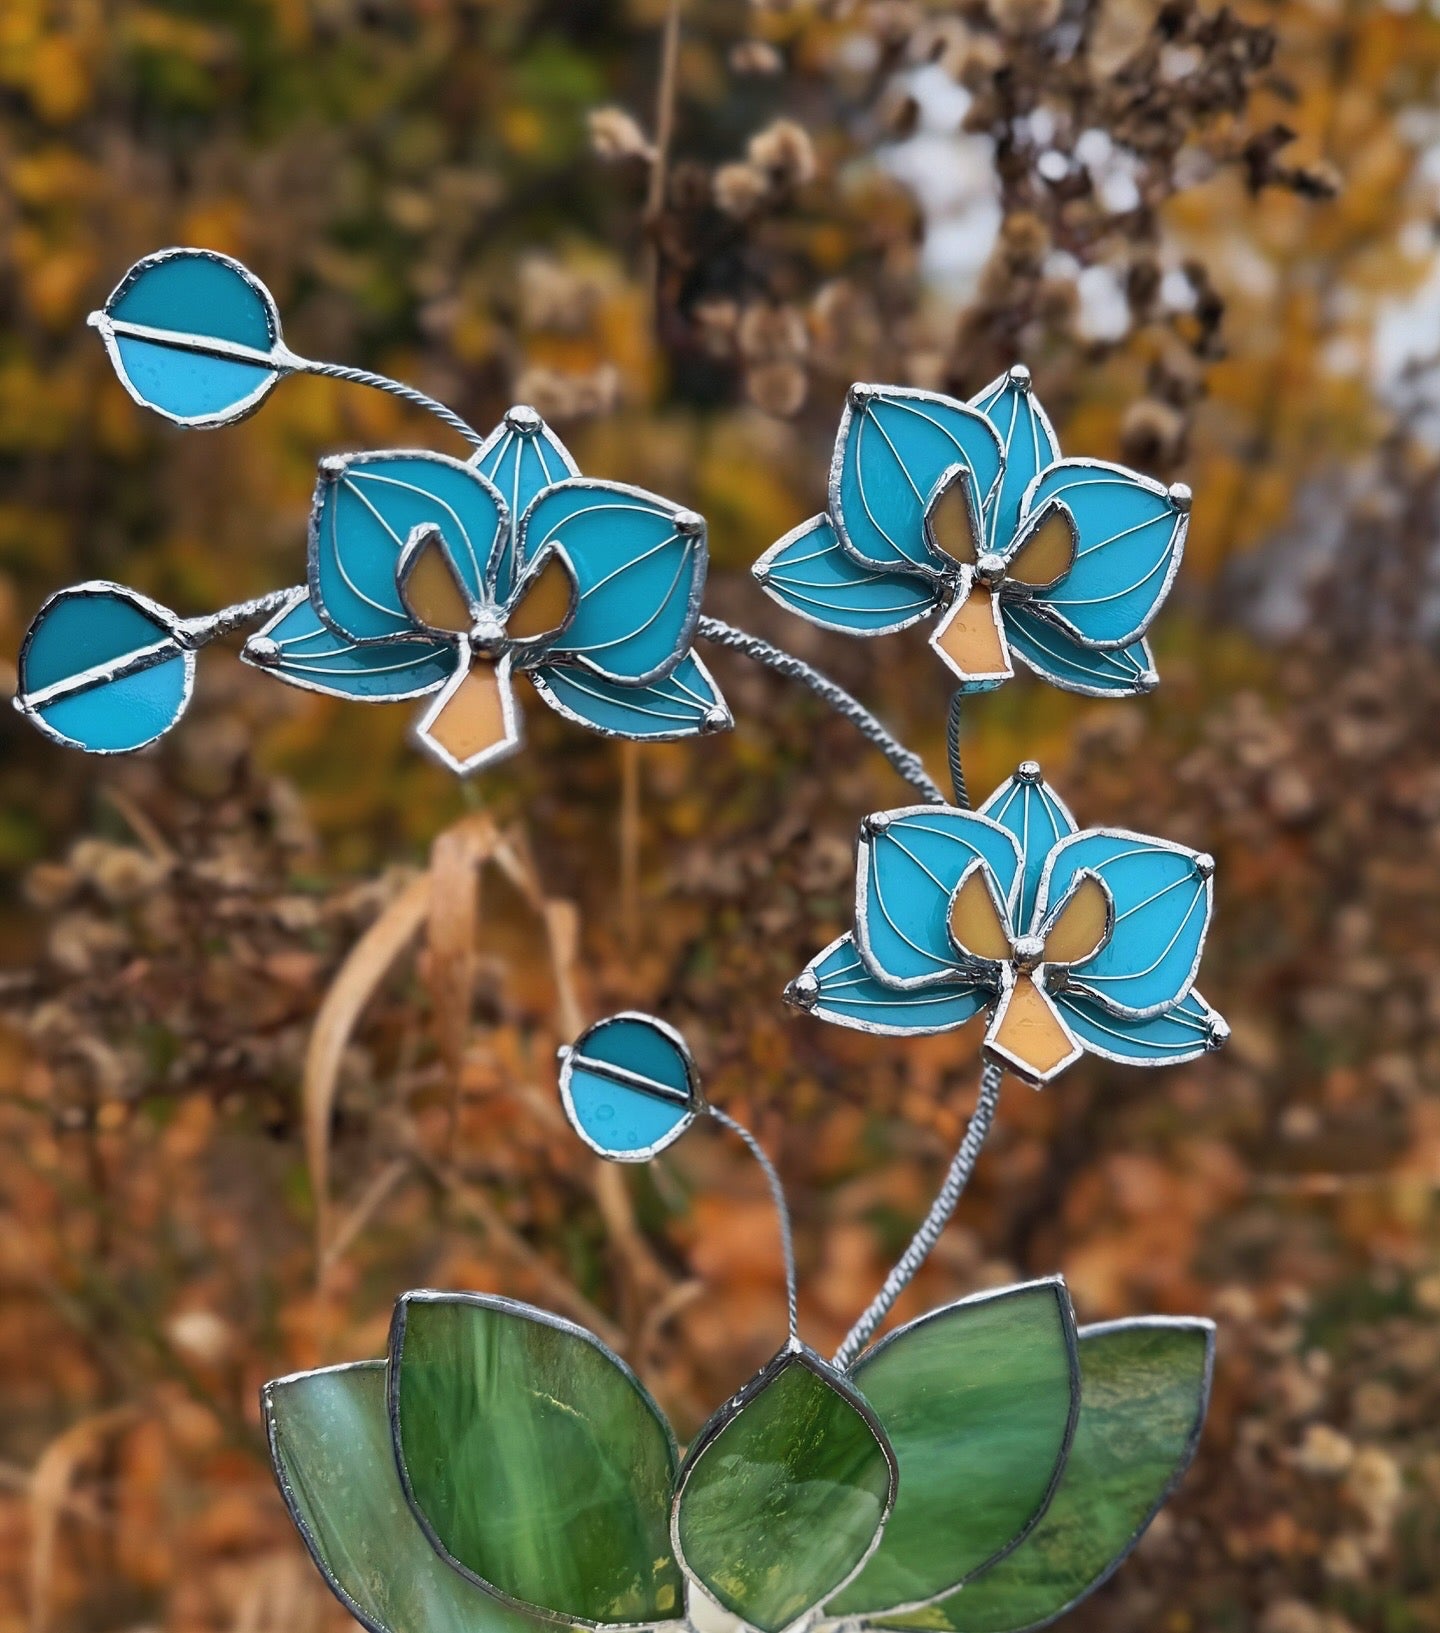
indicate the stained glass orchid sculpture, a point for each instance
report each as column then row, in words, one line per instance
column 427, row 576
column 968, row 512
column 1070, row 939
column 979, row 1470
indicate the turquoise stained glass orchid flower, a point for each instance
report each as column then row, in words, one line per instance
column 1070, row 939
column 967, row 512
column 428, row 576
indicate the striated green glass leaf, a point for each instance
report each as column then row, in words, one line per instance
column 978, row 1401
column 783, row 1492
column 330, row 1443
column 534, row 1457
column 1145, row 1386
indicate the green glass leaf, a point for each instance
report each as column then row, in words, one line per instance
column 783, row 1493
column 534, row 1458
column 330, row 1444
column 979, row 1401
column 1145, row 1385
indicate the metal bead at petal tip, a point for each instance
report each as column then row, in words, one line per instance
column 689, row 522
column 1020, row 377
column 803, row 991
column 860, row 394
column 1217, row 1032
column 876, row 823
column 562, row 1054
column 1180, row 497
column 716, row 719
column 523, row 420
column 1146, row 682
column 1028, row 771
column 1205, row 864
column 334, row 464
column 262, row 650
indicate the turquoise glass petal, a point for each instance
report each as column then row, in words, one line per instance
column 84, row 627
column 892, row 453
column 1145, row 1385
column 1029, row 443
column 850, row 996
column 979, row 1402
column 330, row 1444
column 296, row 646
column 365, row 509
column 1039, row 819
column 520, row 462
column 639, row 564
column 200, row 293
column 534, row 1458
column 811, row 573
column 1191, row 1028
column 908, row 872
column 628, row 1087
column 1130, row 536
column 127, row 714
column 100, row 669
column 206, row 304
column 190, row 386
column 783, row 1493
column 1162, row 895
column 687, row 701
column 1055, row 655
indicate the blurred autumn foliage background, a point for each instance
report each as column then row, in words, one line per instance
column 281, row 1000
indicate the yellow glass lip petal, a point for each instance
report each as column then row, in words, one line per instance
column 430, row 585
column 473, row 721
column 959, row 538
column 544, row 602
column 970, row 638
column 1047, row 550
column 1028, row 1034
column 1080, row 924
column 979, row 922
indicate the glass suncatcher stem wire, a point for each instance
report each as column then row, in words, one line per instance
column 396, row 388
column 904, row 760
column 934, row 1222
column 952, row 751
column 782, row 1209
column 200, row 631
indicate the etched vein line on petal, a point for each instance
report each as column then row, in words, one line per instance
column 339, row 560
column 1115, row 538
column 864, row 497
column 411, row 487
column 654, row 618
column 1139, row 975
column 939, row 963
column 895, row 452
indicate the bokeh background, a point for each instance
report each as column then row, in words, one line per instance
column 280, row 1000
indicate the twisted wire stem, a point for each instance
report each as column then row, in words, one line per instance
column 396, row 388
column 197, row 632
column 934, row 1222
column 907, row 763
column 782, row 1209
column 952, row 752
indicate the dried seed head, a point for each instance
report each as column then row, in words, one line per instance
column 740, row 189
column 616, row 135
